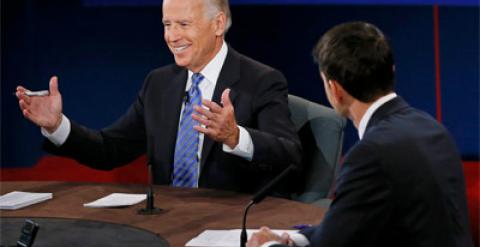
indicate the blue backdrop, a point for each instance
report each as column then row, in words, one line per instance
column 274, row 2
column 102, row 53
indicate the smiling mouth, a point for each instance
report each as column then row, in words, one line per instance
column 180, row 48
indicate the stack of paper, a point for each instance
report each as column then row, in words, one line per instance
column 224, row 238
column 18, row 199
column 116, row 200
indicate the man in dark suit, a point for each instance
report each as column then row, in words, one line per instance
column 215, row 118
column 402, row 184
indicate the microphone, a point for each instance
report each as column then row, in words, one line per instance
column 258, row 197
column 149, row 207
column 186, row 97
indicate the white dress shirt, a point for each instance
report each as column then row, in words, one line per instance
column 368, row 114
column 301, row 240
column 211, row 72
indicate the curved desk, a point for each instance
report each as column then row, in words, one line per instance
column 188, row 211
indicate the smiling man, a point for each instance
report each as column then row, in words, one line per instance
column 214, row 119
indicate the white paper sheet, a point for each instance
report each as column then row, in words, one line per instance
column 18, row 199
column 224, row 238
column 116, row 200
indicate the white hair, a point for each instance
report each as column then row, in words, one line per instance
column 216, row 6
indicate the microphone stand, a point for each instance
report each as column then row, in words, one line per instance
column 149, row 205
column 243, row 235
column 257, row 198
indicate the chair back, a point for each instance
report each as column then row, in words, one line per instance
column 320, row 130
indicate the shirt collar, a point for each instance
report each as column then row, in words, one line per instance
column 369, row 113
column 211, row 71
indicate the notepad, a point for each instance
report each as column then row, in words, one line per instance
column 18, row 199
column 116, row 200
column 224, row 238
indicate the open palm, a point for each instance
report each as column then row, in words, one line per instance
column 44, row 111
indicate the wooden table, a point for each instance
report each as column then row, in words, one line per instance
column 188, row 211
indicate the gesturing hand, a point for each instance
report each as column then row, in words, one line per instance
column 219, row 122
column 44, row 111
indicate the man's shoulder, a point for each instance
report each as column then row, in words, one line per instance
column 251, row 64
column 405, row 123
column 163, row 76
column 166, row 70
column 407, row 133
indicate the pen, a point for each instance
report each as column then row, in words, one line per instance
column 36, row 93
column 301, row 226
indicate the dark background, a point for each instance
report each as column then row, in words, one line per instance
column 101, row 50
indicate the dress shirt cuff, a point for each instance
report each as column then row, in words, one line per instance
column 299, row 239
column 270, row 243
column 244, row 147
column 59, row 136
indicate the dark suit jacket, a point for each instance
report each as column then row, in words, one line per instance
column 259, row 95
column 401, row 185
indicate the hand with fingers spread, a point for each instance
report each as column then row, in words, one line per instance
column 44, row 111
column 218, row 122
column 266, row 235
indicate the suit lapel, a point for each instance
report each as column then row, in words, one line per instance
column 170, row 107
column 229, row 75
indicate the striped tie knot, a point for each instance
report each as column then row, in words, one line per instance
column 196, row 79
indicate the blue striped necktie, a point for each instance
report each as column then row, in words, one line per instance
column 185, row 166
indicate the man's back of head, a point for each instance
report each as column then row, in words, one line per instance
column 358, row 56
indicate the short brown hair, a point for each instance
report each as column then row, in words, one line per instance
column 358, row 56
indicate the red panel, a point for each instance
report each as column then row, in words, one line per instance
column 52, row 168
column 472, row 178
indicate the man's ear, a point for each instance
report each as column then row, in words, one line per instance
column 220, row 23
column 338, row 93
